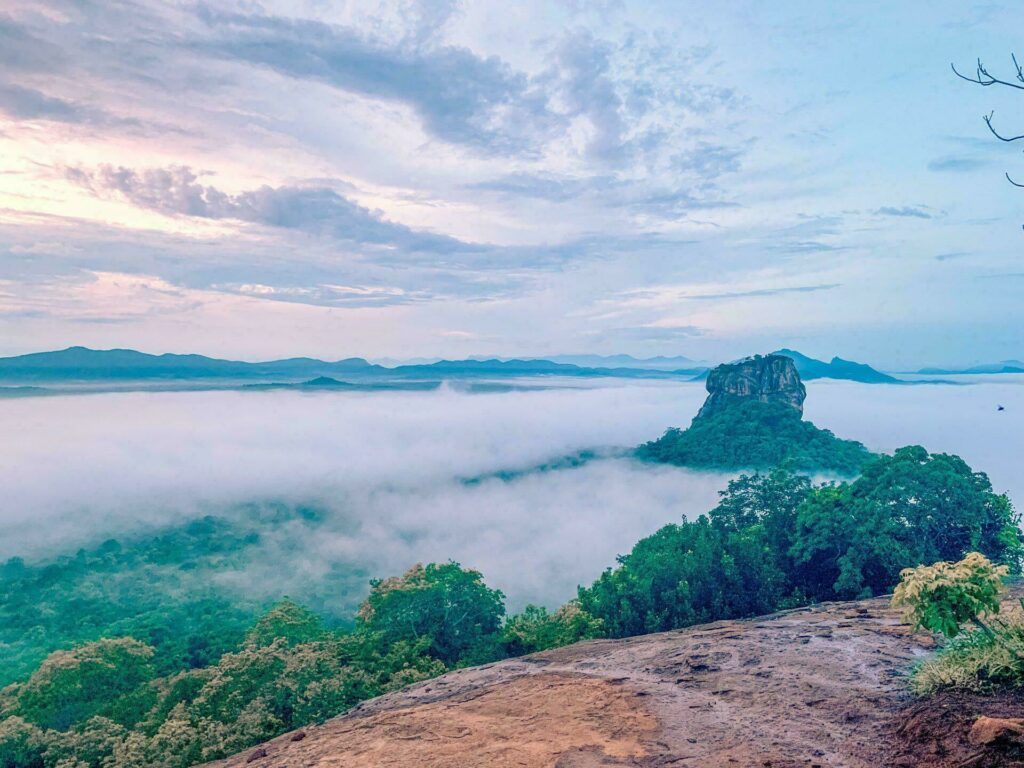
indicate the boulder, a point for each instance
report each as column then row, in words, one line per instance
column 992, row 730
column 765, row 378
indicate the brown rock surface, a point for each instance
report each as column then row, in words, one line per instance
column 811, row 687
column 765, row 378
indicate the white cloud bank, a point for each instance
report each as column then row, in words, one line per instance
column 387, row 468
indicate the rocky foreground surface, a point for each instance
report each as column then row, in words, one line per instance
column 816, row 687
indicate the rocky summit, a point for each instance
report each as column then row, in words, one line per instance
column 764, row 378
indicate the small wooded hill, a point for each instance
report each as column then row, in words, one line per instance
column 753, row 419
column 822, row 686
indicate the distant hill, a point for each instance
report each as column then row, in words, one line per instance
column 837, row 368
column 80, row 363
column 496, row 367
column 77, row 364
column 1006, row 366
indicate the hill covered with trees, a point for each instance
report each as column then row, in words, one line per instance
column 753, row 419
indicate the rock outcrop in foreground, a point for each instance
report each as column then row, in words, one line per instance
column 764, row 378
column 822, row 686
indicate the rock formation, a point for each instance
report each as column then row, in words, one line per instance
column 767, row 378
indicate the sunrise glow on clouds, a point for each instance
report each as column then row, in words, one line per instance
column 408, row 179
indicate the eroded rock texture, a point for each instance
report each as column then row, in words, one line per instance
column 766, row 378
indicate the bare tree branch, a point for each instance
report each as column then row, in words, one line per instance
column 983, row 77
column 988, row 121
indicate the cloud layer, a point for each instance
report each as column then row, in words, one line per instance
column 387, row 469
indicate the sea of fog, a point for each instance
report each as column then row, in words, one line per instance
column 389, row 468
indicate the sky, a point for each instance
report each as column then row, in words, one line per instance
column 406, row 179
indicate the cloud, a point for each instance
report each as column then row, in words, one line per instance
column 956, row 164
column 22, row 51
column 385, row 472
column 459, row 97
column 541, row 186
column 29, row 104
column 405, row 264
column 760, row 292
column 709, row 161
column 536, row 537
column 177, row 191
column 26, row 104
column 906, row 211
column 647, row 334
column 805, row 246
column 582, row 79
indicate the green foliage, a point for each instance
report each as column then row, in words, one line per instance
column 756, row 435
column 169, row 588
column 774, row 541
column 687, row 574
column 945, row 596
column 448, row 605
column 537, row 630
column 21, row 744
column 287, row 621
column 138, row 589
column 102, row 705
column 853, row 539
column 106, row 677
column 975, row 661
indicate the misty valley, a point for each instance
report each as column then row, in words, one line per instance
column 186, row 574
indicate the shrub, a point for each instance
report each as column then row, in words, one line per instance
column 945, row 596
column 974, row 661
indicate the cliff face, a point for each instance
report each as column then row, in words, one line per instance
column 767, row 379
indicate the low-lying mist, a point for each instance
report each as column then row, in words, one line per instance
column 388, row 471
column 387, row 468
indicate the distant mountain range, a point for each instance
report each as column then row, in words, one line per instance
column 1006, row 366
column 837, row 368
column 80, row 365
column 83, row 364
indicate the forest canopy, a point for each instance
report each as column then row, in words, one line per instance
column 115, row 667
column 756, row 435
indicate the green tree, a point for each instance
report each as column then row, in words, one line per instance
column 686, row 574
column 286, row 620
column 21, row 744
column 107, row 677
column 448, row 605
column 853, row 539
column 769, row 501
column 537, row 630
